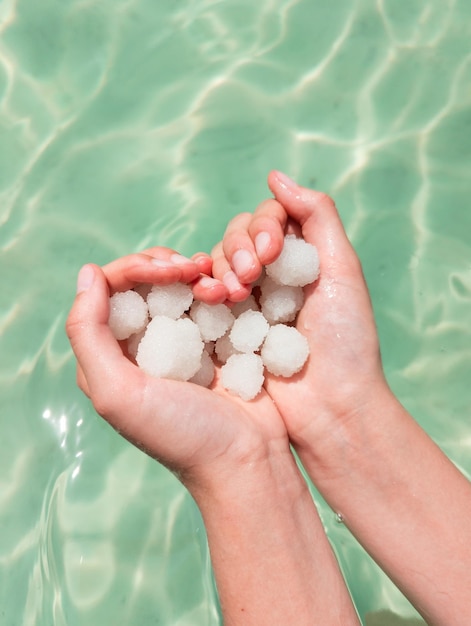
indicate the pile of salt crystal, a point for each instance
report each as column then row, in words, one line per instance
column 246, row 339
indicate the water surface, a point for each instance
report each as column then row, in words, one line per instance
column 130, row 122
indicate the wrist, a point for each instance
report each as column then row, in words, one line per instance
column 272, row 561
column 346, row 435
column 269, row 476
column 397, row 492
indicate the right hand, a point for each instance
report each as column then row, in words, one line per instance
column 344, row 370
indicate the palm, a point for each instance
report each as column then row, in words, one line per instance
column 181, row 424
column 338, row 322
column 186, row 426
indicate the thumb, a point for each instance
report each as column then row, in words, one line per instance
column 99, row 355
column 316, row 213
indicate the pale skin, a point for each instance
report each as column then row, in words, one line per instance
column 397, row 492
column 272, row 561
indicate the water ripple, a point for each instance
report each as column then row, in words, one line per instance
column 131, row 123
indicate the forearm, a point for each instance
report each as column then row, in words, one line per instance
column 272, row 561
column 406, row 503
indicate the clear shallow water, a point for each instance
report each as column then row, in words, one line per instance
column 129, row 122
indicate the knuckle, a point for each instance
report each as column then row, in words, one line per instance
column 104, row 403
column 73, row 326
column 216, row 251
column 82, row 385
column 324, row 200
column 238, row 223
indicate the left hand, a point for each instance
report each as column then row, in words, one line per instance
column 203, row 436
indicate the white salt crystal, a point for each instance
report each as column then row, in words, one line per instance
column 284, row 351
column 179, row 346
column 205, row 375
column 213, row 320
column 280, row 303
column 169, row 300
column 249, row 304
column 248, row 331
column 170, row 348
column 224, row 348
column 242, row 375
column 297, row 265
column 128, row 314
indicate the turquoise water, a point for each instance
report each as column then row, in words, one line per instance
column 130, row 122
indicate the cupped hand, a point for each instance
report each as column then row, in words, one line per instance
column 344, row 368
column 196, row 432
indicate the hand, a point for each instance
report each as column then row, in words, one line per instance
column 367, row 456
column 344, row 369
column 233, row 456
column 199, row 434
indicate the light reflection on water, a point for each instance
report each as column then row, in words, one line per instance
column 128, row 123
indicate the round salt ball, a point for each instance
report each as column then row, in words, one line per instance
column 170, row 348
column 128, row 314
column 242, row 375
column 249, row 304
column 248, row 331
column 205, row 375
column 169, row 300
column 213, row 319
column 134, row 341
column 284, row 351
column 280, row 303
column 297, row 265
column 224, row 348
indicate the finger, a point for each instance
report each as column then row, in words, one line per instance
column 317, row 214
column 155, row 266
column 222, row 270
column 239, row 250
column 103, row 369
column 144, row 409
column 204, row 262
column 209, row 290
column 266, row 230
column 205, row 288
column 168, row 255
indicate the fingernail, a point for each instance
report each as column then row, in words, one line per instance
column 231, row 281
column 85, row 278
column 179, row 259
column 242, row 261
column 161, row 263
column 207, row 282
column 262, row 243
column 286, row 181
